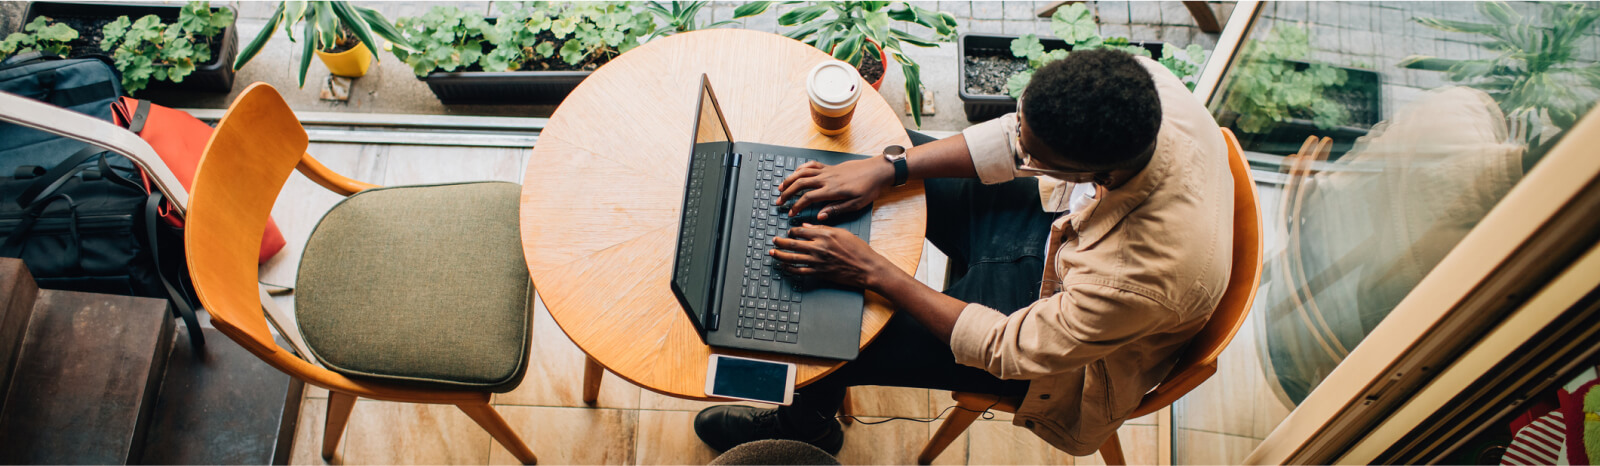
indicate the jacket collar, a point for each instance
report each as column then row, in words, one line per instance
column 1111, row 206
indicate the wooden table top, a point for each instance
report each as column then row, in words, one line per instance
column 601, row 199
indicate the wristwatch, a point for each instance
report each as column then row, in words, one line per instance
column 896, row 155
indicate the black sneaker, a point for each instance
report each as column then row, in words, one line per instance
column 727, row 426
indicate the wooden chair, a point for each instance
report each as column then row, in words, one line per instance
column 258, row 143
column 1198, row 361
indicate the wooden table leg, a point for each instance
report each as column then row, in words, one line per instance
column 1203, row 16
column 592, row 371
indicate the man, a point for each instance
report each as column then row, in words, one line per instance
column 1094, row 248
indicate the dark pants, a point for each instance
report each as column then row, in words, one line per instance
column 995, row 238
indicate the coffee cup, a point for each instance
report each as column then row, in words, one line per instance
column 834, row 87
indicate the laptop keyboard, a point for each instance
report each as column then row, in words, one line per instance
column 691, row 213
column 771, row 303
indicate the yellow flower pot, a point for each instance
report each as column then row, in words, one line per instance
column 351, row 63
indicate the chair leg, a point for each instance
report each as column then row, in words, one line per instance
column 960, row 419
column 339, row 407
column 1111, row 451
column 592, row 371
column 491, row 421
column 847, row 409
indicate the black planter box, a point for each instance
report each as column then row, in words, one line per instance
column 215, row 75
column 984, row 107
column 503, row 87
column 1361, row 95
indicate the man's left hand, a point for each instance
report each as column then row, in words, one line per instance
column 832, row 254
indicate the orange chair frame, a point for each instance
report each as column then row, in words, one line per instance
column 256, row 146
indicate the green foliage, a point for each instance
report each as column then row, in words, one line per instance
column 845, row 33
column 1268, row 87
column 41, row 36
column 328, row 25
column 1075, row 25
column 1534, row 73
column 681, row 18
column 581, row 35
column 147, row 49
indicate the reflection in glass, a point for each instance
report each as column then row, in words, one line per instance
column 1380, row 134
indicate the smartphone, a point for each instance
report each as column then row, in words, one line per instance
column 750, row 379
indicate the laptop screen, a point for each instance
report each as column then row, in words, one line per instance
column 694, row 270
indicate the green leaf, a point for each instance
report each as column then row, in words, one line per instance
column 544, row 49
column 1027, row 46
column 911, row 39
column 113, row 32
column 328, row 32
column 1018, row 83
column 849, row 50
column 802, row 32
column 1074, row 24
column 913, row 75
column 356, row 24
column 306, row 51
column 573, row 53
column 751, row 9
column 58, row 32
column 802, row 15
column 382, row 27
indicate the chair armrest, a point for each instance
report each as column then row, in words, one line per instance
column 66, row 123
column 333, row 181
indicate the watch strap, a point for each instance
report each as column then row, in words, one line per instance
column 901, row 173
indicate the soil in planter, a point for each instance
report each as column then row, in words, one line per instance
column 987, row 74
column 89, row 35
column 347, row 40
column 871, row 67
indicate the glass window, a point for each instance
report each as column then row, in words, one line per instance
column 1380, row 134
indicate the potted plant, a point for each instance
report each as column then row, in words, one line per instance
column 681, row 18
column 167, row 47
column 340, row 34
column 858, row 32
column 996, row 68
column 1290, row 98
column 535, row 53
column 1534, row 75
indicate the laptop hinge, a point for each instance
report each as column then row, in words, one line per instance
column 730, row 190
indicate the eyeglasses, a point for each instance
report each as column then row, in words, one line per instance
column 1025, row 162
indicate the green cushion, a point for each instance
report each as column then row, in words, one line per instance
column 420, row 284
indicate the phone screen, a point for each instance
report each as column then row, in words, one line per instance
column 756, row 380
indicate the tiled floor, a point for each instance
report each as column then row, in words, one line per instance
column 630, row 425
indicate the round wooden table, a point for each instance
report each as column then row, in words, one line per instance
column 601, row 199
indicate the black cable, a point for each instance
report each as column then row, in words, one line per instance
column 986, row 414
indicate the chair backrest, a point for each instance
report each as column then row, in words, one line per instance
column 246, row 163
column 1199, row 360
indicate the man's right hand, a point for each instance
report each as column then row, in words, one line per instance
column 851, row 185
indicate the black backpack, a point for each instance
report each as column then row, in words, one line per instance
column 83, row 218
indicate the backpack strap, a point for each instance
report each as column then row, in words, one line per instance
column 178, row 295
column 57, row 176
column 13, row 244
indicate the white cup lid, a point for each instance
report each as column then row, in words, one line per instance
column 833, row 84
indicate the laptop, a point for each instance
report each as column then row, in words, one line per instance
column 736, row 295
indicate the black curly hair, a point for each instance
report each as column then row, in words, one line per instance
column 1098, row 107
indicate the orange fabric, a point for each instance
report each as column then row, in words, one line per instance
column 180, row 139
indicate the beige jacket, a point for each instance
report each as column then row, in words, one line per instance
column 1129, row 279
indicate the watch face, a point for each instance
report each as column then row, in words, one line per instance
column 894, row 152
